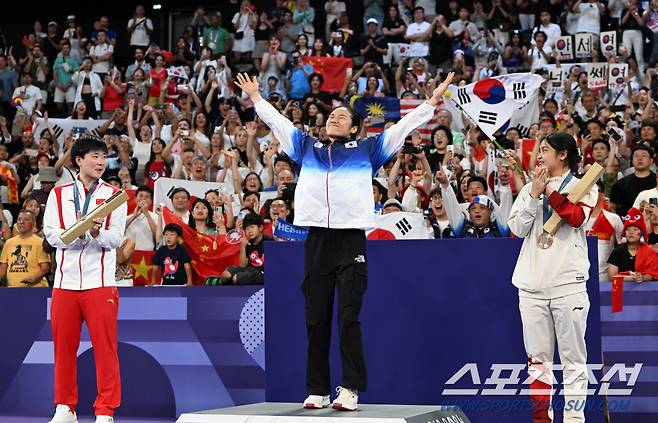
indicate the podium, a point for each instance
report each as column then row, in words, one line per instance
column 440, row 323
column 270, row 412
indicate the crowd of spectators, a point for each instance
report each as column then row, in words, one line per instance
column 196, row 125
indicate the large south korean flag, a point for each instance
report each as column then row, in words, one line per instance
column 491, row 102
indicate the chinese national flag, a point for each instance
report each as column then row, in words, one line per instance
column 141, row 265
column 332, row 70
column 527, row 144
column 617, row 294
column 210, row 254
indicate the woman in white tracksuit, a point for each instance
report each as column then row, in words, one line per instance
column 551, row 278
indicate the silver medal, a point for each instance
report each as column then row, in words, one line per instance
column 545, row 241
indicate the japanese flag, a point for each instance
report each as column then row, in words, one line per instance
column 491, row 102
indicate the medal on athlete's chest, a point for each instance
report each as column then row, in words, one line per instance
column 545, row 240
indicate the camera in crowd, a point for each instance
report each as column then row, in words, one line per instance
column 409, row 148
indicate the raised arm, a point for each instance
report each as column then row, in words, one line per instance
column 252, row 144
column 129, row 122
column 291, row 139
column 451, row 204
column 166, row 152
column 195, row 97
column 392, row 139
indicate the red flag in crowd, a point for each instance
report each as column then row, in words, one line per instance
column 132, row 200
column 332, row 70
column 617, row 294
column 210, row 254
column 141, row 265
column 527, row 144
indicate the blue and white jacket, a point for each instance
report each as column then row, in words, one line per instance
column 334, row 189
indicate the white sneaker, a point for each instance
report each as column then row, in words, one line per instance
column 104, row 419
column 316, row 401
column 63, row 415
column 347, row 400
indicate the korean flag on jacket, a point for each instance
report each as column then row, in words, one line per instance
column 491, row 102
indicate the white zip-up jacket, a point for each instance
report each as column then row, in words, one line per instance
column 334, row 189
column 562, row 269
column 96, row 86
column 89, row 263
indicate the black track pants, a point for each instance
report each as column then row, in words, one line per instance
column 335, row 258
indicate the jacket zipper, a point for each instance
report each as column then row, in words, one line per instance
column 327, row 186
column 80, row 263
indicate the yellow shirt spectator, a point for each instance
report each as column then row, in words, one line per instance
column 23, row 260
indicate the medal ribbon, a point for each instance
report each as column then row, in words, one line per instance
column 548, row 210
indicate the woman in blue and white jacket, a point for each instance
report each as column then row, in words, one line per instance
column 334, row 199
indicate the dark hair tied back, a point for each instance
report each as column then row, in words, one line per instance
column 561, row 141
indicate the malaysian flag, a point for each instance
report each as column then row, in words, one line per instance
column 405, row 107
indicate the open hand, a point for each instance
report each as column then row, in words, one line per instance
column 438, row 92
column 539, row 181
column 442, row 178
column 248, row 85
column 250, row 128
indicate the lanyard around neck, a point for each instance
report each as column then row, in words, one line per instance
column 548, row 211
column 76, row 197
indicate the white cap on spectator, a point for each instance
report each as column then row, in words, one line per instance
column 483, row 200
column 393, row 202
column 372, row 21
column 52, row 23
column 458, row 51
column 70, row 18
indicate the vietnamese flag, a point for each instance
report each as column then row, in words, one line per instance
column 332, row 70
column 210, row 254
column 527, row 145
column 142, row 267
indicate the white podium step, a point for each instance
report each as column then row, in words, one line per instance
column 270, row 412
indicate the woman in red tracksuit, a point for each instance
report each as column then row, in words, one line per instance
column 85, row 287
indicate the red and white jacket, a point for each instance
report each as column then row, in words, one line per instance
column 89, row 263
column 562, row 269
